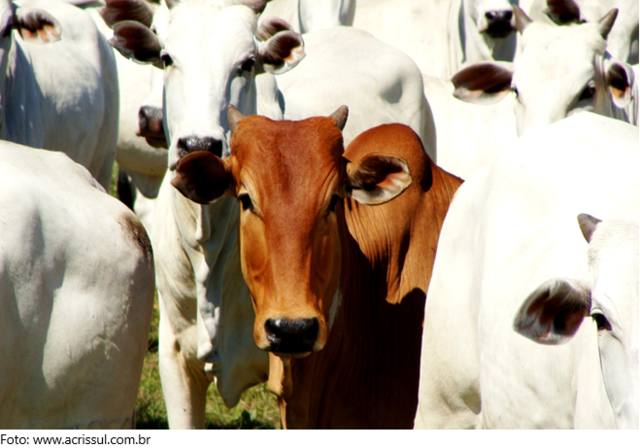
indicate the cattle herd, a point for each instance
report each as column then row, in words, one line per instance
column 396, row 213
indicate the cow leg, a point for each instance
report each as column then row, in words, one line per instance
column 184, row 383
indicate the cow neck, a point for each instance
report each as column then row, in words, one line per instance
column 367, row 374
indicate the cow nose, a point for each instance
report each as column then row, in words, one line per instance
column 291, row 336
column 150, row 126
column 194, row 143
column 499, row 23
column 499, row 15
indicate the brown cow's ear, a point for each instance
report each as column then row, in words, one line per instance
column 202, row 177
column 135, row 41
column 280, row 48
column 553, row 312
column 36, row 25
column 484, row 82
column 377, row 179
column 120, row 10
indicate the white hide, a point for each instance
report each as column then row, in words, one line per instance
column 77, row 294
column 311, row 15
column 419, row 29
column 61, row 95
column 510, row 228
column 623, row 40
column 348, row 66
column 468, row 135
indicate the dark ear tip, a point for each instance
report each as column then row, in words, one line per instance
column 587, row 225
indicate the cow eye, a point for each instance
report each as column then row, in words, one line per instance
column 245, row 202
column 167, row 60
column 601, row 322
column 588, row 92
column 514, row 89
column 333, row 203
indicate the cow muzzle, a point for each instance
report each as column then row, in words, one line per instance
column 193, row 143
column 150, row 126
column 296, row 337
column 499, row 23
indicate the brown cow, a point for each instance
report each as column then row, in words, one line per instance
column 337, row 249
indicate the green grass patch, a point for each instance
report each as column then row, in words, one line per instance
column 257, row 408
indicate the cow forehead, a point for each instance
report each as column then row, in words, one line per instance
column 552, row 52
column 286, row 155
column 201, row 23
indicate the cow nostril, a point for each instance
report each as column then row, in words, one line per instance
column 498, row 16
column 195, row 143
column 292, row 335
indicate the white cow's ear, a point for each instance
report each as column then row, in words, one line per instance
column 202, row 177
column 135, row 41
column 279, row 47
column 120, row 10
column 619, row 79
column 377, row 179
column 553, row 312
column 484, row 82
column 36, row 25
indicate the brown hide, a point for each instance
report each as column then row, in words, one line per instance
column 367, row 374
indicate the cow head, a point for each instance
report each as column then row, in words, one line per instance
column 554, row 72
column 290, row 178
column 553, row 313
column 210, row 53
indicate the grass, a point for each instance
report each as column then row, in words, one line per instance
column 257, row 407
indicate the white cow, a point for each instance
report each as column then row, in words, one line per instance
column 141, row 148
column 76, row 296
column 310, row 15
column 510, row 228
column 212, row 53
column 440, row 35
column 58, row 83
column 554, row 73
column 623, row 39
column 556, row 309
column 378, row 83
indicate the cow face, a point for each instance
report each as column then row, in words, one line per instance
column 553, row 313
column 290, row 178
column 210, row 53
column 493, row 18
column 554, row 72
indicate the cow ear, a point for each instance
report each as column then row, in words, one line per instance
column 135, row 41
column 607, row 21
column 120, row 10
column 279, row 47
column 377, row 179
column 484, row 82
column 619, row 79
column 202, row 177
column 553, row 312
column 563, row 11
column 36, row 25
